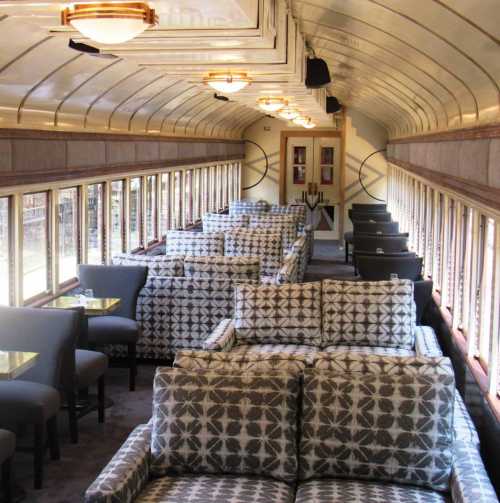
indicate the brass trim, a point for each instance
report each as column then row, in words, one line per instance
column 109, row 10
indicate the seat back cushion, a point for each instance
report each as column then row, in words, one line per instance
column 240, row 362
column 213, row 222
column 364, row 313
column 297, row 210
column 268, row 247
column 158, row 265
column 194, row 243
column 248, row 207
column 219, row 266
column 286, row 225
column 388, row 428
column 284, row 314
column 213, row 422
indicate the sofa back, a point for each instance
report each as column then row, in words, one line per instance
column 158, row 265
column 194, row 243
column 215, row 222
column 248, row 207
column 209, row 422
column 178, row 313
column 261, row 243
column 297, row 210
column 211, row 267
column 286, row 225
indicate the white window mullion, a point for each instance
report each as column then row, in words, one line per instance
column 471, row 327
column 495, row 324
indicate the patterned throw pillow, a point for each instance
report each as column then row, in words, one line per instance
column 237, row 268
column 208, row 422
column 395, row 428
column 266, row 246
column 297, row 210
column 158, row 265
column 240, row 362
column 285, row 224
column 285, row 314
column 194, row 243
column 213, row 222
column 364, row 313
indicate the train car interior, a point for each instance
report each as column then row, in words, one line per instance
column 250, row 251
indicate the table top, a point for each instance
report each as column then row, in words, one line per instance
column 93, row 307
column 14, row 363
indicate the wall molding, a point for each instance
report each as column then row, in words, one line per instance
column 489, row 196
column 473, row 133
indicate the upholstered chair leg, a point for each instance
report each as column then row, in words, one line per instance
column 101, row 399
column 132, row 366
column 346, row 252
column 7, row 480
column 55, row 453
column 39, row 454
column 72, row 416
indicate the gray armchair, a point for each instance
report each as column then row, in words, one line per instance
column 34, row 400
column 7, row 448
column 124, row 282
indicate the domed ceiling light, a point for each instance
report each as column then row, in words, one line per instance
column 109, row 22
column 309, row 124
column 300, row 120
column 288, row 113
column 272, row 103
column 227, row 82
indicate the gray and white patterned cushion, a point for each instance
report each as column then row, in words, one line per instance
column 372, row 350
column 299, row 247
column 216, row 489
column 297, row 210
column 360, row 491
column 222, row 337
column 469, row 480
column 266, row 246
column 426, row 342
column 218, row 423
column 127, row 473
column 392, row 428
column 219, row 266
column 215, row 222
column 194, row 243
column 285, row 224
column 158, row 265
column 308, row 352
column 284, row 314
column 465, row 431
column 369, row 313
column 248, row 207
column 180, row 313
column 240, row 362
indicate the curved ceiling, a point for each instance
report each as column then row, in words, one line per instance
column 414, row 67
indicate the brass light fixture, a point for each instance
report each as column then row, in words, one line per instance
column 272, row 103
column 109, row 22
column 227, row 82
column 288, row 113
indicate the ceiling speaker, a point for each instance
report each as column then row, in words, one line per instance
column 318, row 74
column 332, row 105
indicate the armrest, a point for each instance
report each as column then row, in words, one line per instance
column 426, row 343
column 469, row 481
column 124, row 477
column 223, row 338
column 289, row 270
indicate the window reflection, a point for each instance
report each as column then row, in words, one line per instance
column 117, row 188
column 135, row 213
column 4, row 251
column 95, row 250
column 68, row 233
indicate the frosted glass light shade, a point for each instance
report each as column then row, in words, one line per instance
column 271, row 103
column 309, row 124
column 288, row 113
column 300, row 121
column 227, row 82
column 109, row 22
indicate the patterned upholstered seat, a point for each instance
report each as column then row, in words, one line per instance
column 158, row 265
column 194, row 243
column 248, row 207
column 309, row 352
column 215, row 222
column 216, row 489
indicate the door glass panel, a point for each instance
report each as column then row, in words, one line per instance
column 327, row 160
column 35, row 244
column 117, row 189
column 95, row 228
column 4, row 252
column 135, row 213
column 299, row 165
column 68, row 233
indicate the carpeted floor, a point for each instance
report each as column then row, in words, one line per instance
column 67, row 479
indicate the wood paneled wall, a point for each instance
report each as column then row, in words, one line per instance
column 28, row 156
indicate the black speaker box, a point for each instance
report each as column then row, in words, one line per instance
column 332, row 105
column 318, row 74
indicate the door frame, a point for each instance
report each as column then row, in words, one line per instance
column 324, row 133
